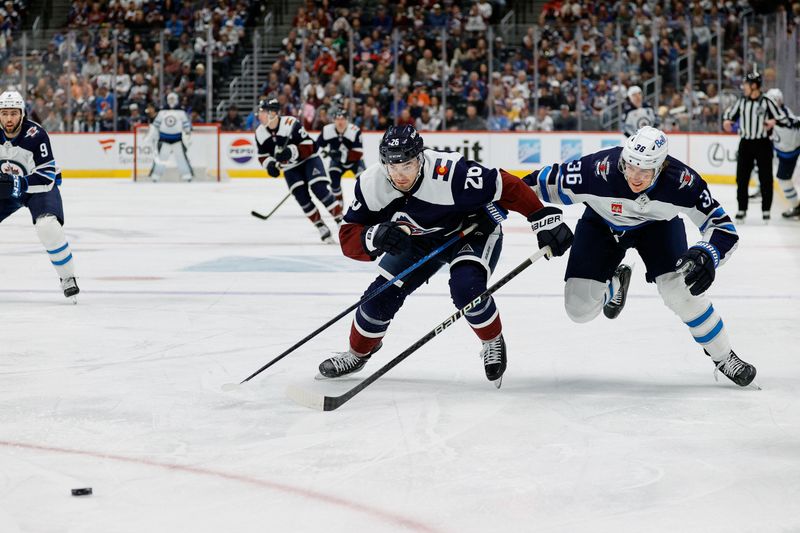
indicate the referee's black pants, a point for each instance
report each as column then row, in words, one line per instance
column 759, row 151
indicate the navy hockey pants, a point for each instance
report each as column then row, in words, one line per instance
column 38, row 204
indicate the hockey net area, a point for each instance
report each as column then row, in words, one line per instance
column 203, row 154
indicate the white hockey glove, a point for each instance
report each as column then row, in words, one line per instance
column 187, row 139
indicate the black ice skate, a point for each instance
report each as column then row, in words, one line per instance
column 344, row 363
column 614, row 307
column 765, row 216
column 792, row 213
column 740, row 215
column 493, row 353
column 70, row 288
column 324, row 232
column 735, row 369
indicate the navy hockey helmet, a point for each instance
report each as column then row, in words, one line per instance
column 337, row 112
column 270, row 105
column 400, row 144
column 753, row 77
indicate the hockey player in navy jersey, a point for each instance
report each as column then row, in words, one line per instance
column 30, row 178
column 633, row 195
column 284, row 144
column 171, row 132
column 409, row 203
column 343, row 142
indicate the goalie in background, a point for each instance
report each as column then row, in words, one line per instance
column 171, row 132
column 30, row 178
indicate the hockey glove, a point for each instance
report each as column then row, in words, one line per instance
column 487, row 218
column 550, row 231
column 284, row 155
column 187, row 140
column 698, row 269
column 12, row 186
column 389, row 237
column 271, row 166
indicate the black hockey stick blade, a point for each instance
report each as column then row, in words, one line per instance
column 322, row 402
column 265, row 217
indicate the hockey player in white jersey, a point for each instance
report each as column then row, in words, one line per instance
column 30, row 178
column 283, row 144
column 633, row 195
column 171, row 132
column 343, row 142
column 637, row 113
column 786, row 142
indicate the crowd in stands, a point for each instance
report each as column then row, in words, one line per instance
column 69, row 83
column 447, row 45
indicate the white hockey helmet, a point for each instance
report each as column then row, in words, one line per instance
column 12, row 100
column 776, row 95
column 634, row 89
column 647, row 148
column 172, row 100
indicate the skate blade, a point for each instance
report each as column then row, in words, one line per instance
column 73, row 299
column 498, row 382
column 753, row 385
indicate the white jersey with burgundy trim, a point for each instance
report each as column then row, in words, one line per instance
column 597, row 181
column 449, row 188
column 289, row 134
column 29, row 155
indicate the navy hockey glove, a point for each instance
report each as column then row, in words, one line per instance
column 272, row 168
column 284, row 155
column 12, row 186
column 698, row 269
column 487, row 218
column 550, row 231
column 389, row 237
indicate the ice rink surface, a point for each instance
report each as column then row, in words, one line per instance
column 609, row 426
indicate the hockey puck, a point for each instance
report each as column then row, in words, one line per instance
column 87, row 491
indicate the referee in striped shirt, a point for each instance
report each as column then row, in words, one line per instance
column 757, row 114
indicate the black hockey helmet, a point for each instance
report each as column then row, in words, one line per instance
column 338, row 111
column 400, row 144
column 270, row 105
column 753, row 77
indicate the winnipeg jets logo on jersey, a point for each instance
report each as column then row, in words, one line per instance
column 33, row 130
column 686, row 179
column 601, row 168
column 13, row 168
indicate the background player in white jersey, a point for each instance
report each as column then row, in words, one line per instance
column 410, row 203
column 171, row 132
column 283, row 143
column 786, row 142
column 345, row 149
column 637, row 113
column 30, row 178
column 633, row 195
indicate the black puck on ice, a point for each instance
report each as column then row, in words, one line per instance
column 87, row 491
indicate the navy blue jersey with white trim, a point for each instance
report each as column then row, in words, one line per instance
column 29, row 155
column 343, row 144
column 449, row 188
column 597, row 181
column 290, row 134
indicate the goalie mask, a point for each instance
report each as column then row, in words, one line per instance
column 173, row 100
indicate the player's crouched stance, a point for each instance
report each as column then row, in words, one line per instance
column 29, row 178
column 412, row 202
column 633, row 196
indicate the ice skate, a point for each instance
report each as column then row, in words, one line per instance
column 344, row 363
column 493, row 353
column 735, row 369
column 740, row 215
column 70, row 288
column 614, row 307
column 792, row 213
column 765, row 216
column 324, row 233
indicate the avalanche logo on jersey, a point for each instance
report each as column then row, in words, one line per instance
column 686, row 179
column 404, row 219
column 442, row 168
column 601, row 168
column 33, row 130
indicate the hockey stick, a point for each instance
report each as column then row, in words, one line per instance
column 364, row 299
column 322, row 402
column 265, row 217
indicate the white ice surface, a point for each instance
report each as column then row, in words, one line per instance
column 609, row 426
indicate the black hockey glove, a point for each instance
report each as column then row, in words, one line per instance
column 487, row 218
column 389, row 237
column 284, row 155
column 12, row 186
column 272, row 168
column 698, row 269
column 550, row 231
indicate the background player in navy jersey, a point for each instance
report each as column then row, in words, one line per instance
column 633, row 195
column 343, row 142
column 283, row 143
column 29, row 178
column 409, row 203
